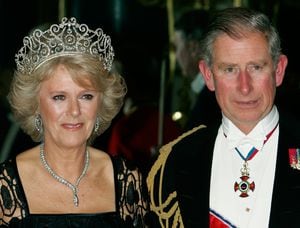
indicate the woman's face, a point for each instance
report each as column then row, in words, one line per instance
column 68, row 110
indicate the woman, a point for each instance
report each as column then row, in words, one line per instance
column 64, row 95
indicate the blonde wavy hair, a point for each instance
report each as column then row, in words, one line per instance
column 24, row 90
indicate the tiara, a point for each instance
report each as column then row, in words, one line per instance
column 66, row 38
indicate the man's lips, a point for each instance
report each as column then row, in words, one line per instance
column 247, row 104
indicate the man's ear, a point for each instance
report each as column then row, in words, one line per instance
column 280, row 69
column 207, row 75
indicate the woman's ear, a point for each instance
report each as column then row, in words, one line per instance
column 207, row 75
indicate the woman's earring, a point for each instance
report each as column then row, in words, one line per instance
column 97, row 125
column 38, row 123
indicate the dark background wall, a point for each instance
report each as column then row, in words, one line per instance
column 139, row 31
column 138, row 27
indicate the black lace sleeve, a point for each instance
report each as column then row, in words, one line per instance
column 12, row 201
column 131, row 194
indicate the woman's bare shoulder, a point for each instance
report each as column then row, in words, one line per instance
column 28, row 157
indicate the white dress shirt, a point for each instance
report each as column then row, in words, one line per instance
column 252, row 211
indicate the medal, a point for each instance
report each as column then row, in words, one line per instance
column 244, row 185
column 294, row 158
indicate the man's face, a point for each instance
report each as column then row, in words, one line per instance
column 244, row 78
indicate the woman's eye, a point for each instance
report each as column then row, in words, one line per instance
column 87, row 96
column 59, row 97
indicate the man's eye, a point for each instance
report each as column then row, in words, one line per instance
column 253, row 68
column 230, row 70
column 59, row 97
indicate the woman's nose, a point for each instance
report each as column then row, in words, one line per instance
column 74, row 108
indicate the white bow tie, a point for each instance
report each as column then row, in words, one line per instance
column 257, row 142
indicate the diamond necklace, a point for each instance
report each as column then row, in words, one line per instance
column 60, row 179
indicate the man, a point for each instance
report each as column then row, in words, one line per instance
column 244, row 172
column 189, row 28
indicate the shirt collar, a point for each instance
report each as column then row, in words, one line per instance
column 258, row 133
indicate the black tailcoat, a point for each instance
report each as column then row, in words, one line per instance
column 186, row 170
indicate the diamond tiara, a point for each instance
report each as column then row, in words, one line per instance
column 66, row 38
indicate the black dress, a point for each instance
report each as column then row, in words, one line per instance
column 131, row 200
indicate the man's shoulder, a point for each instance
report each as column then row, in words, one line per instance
column 176, row 156
column 185, row 140
column 187, row 146
column 289, row 130
column 161, row 182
